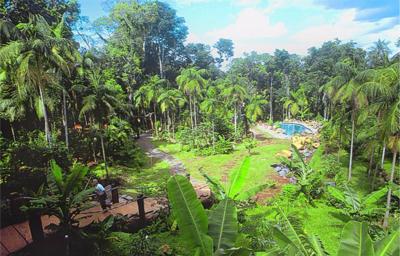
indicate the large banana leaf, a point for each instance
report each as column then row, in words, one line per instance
column 238, row 178
column 74, row 178
column 223, row 226
column 252, row 191
column 373, row 198
column 355, row 240
column 190, row 214
column 337, row 194
column 292, row 239
column 388, row 246
column 352, row 198
column 215, row 185
column 317, row 246
column 57, row 175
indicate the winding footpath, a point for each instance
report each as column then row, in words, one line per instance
column 176, row 166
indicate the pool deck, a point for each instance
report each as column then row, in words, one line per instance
column 278, row 135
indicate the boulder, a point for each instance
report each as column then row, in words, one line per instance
column 285, row 153
column 316, row 144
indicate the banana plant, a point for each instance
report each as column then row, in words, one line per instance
column 356, row 205
column 291, row 239
column 63, row 199
column 236, row 183
column 214, row 234
column 356, row 241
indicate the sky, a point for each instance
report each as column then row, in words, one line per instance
column 294, row 25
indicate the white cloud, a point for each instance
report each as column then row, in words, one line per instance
column 252, row 30
column 247, row 2
column 250, row 25
column 345, row 28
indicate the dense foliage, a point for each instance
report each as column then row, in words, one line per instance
column 71, row 98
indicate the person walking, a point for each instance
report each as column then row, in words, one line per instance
column 101, row 195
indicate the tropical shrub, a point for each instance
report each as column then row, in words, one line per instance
column 64, row 196
column 357, row 206
column 216, row 232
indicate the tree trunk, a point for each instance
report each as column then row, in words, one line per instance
column 235, row 119
column 46, row 120
column 65, row 119
column 213, row 135
column 271, row 112
column 383, row 155
column 389, row 195
column 371, row 160
column 325, row 106
column 103, row 150
column 351, row 145
column 12, row 132
column 155, row 119
column 160, row 61
column 195, row 111
column 190, row 110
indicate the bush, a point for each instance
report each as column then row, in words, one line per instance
column 330, row 166
column 223, row 146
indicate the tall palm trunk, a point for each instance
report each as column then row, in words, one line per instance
column 160, row 62
column 383, row 155
column 235, row 119
column 12, row 132
column 191, row 111
column 371, row 160
column 351, row 144
column 46, row 120
column 65, row 119
column 271, row 111
column 195, row 111
column 155, row 119
column 389, row 195
column 103, row 151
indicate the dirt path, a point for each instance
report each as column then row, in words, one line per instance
column 261, row 134
column 176, row 166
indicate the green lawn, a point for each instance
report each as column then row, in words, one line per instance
column 221, row 166
column 150, row 179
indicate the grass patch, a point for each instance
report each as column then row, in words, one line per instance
column 221, row 166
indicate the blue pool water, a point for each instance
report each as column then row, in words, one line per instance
column 292, row 128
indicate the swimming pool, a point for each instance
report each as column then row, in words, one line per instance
column 293, row 128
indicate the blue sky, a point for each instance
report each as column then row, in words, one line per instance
column 294, row 25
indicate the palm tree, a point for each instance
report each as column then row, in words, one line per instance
column 170, row 99
column 383, row 87
column 209, row 106
column 254, row 109
column 191, row 82
column 36, row 55
column 100, row 101
column 349, row 93
column 142, row 101
column 235, row 93
column 154, row 85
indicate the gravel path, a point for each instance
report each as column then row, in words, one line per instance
column 176, row 166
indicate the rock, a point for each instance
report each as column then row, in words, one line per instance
column 285, row 153
column 293, row 180
column 285, row 169
column 278, row 168
column 279, row 130
column 282, row 173
column 330, row 183
column 316, row 145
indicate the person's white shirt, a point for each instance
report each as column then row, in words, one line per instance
column 100, row 189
